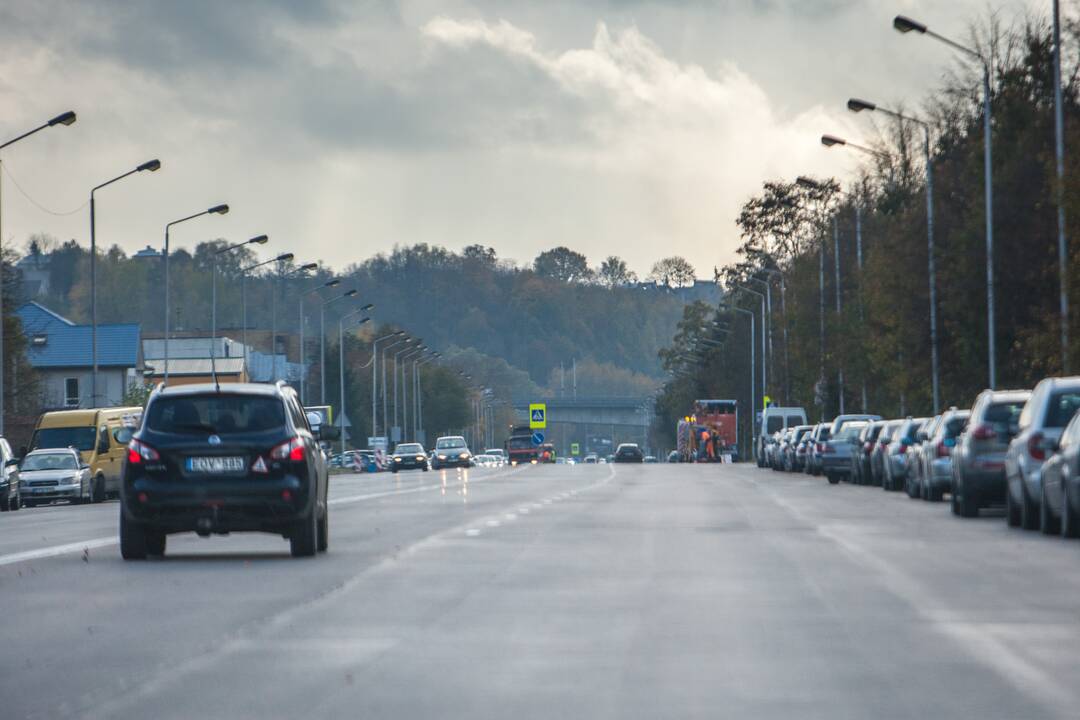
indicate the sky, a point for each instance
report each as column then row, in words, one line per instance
column 634, row 128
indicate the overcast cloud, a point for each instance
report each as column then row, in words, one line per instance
column 342, row 128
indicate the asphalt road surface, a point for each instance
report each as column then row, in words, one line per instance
column 657, row 591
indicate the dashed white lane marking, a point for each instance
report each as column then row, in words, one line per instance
column 472, row 532
column 511, row 516
column 523, row 511
column 58, row 550
column 492, row 523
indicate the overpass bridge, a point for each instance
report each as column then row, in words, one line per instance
column 583, row 419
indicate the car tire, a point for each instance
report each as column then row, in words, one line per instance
column 424, row 468
column 833, row 479
column 1070, row 522
column 17, row 502
column 967, row 503
column 1048, row 524
column 155, row 543
column 324, row 532
column 1012, row 510
column 133, row 545
column 1029, row 516
column 303, row 540
column 97, row 490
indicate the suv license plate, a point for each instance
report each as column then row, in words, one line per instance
column 216, row 464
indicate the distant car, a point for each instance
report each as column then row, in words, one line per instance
column 936, row 474
column 842, row 444
column 10, row 493
column 816, row 447
column 895, row 462
column 861, row 457
column 499, row 454
column 1059, row 510
column 651, row 459
column 1051, row 406
column 979, row 456
column 236, row 458
column 451, row 451
column 591, row 459
column 54, row 474
column 795, row 450
column 880, row 452
column 628, row 453
column 408, row 456
column 915, row 465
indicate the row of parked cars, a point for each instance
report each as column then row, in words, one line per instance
column 1016, row 448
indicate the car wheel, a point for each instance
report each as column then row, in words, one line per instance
column 303, row 541
column 424, row 468
column 17, row 502
column 97, row 491
column 1070, row 523
column 324, row 531
column 833, row 479
column 1012, row 510
column 133, row 545
column 967, row 502
column 1048, row 524
column 6, row 505
column 954, row 500
column 1029, row 516
column 155, row 543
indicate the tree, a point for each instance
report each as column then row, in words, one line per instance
column 672, row 272
column 564, row 264
column 614, row 272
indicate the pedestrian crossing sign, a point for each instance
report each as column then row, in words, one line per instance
column 537, row 416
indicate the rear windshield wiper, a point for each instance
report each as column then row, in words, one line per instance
column 209, row 429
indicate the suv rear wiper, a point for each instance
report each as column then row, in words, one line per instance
column 209, row 429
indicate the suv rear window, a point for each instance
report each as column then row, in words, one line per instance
column 1061, row 408
column 215, row 414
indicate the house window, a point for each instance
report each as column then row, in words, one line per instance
column 71, row 392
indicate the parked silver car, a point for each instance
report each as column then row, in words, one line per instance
column 816, row 446
column 860, row 459
column 836, row 455
column 1050, row 408
column 880, row 451
column 915, row 465
column 979, row 455
column 936, row 476
column 896, row 455
column 1059, row 508
column 54, row 474
column 795, row 452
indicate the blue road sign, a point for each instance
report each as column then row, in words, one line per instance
column 538, row 438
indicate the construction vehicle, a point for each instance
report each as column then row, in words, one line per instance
column 710, row 433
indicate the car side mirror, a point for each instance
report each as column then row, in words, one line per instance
column 122, row 435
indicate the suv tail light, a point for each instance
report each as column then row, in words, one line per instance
column 984, row 432
column 140, row 451
column 868, row 447
column 941, row 449
column 292, row 450
column 1035, row 447
column 826, row 447
column 902, row 449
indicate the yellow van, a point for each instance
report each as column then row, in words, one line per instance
column 101, row 437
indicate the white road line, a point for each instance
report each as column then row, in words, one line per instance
column 472, row 532
column 492, row 523
column 511, row 516
column 55, row 550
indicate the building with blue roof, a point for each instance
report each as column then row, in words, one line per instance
column 60, row 352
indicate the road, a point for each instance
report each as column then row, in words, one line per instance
column 657, row 591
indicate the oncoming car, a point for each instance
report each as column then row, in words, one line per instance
column 451, row 451
column 211, row 459
column 409, row 456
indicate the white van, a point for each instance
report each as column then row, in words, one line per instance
column 772, row 420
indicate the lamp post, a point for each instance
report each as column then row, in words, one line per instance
column 374, row 383
column 273, row 316
column 418, row 416
column 243, row 298
column 404, row 389
column 322, row 341
column 857, row 105
column 905, row 25
column 736, row 308
column 395, row 356
column 386, row 423
column 257, row 240
column 303, row 372
column 64, row 119
column 783, row 320
column 341, row 365
column 814, row 185
column 768, row 317
column 1059, row 156
column 216, row 210
column 152, row 166
column 764, row 384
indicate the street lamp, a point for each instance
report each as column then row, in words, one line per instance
column 857, row 105
column 418, row 416
column 818, row 187
column 341, row 365
column 273, row 317
column 401, row 341
column 152, row 166
column 905, row 25
column 764, row 382
column 257, row 240
column 736, row 308
column 783, row 319
column 303, row 368
column 283, row 257
column 374, row 384
column 216, row 210
column 64, row 119
column 322, row 341
column 402, row 351
column 404, row 389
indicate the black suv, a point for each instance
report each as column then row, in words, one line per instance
column 210, row 459
column 629, row 453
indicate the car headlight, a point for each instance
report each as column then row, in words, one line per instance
column 464, row 456
column 397, row 459
column 420, row 457
column 442, row 457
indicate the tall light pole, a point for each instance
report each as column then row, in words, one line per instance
column 243, row 298
column 857, row 105
column 395, row 357
column 322, row 340
column 764, row 377
column 374, row 383
column 303, row 371
column 152, row 166
column 783, row 319
column 64, row 119
column 257, row 240
column 405, row 387
column 401, row 341
column 905, row 25
column 1059, row 156
column 736, row 308
column 341, row 365
column 216, row 210
column 768, row 318
column 418, row 394
column 815, row 186
column 273, row 316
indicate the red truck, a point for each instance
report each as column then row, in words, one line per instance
column 519, row 446
column 710, row 433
